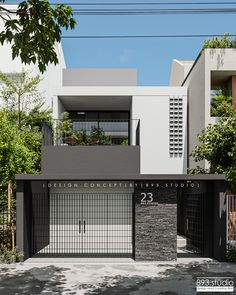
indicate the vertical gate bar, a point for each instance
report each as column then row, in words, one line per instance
column 107, row 224
column 121, row 218
column 56, row 204
column 77, row 249
column 133, row 225
column 94, row 239
column 63, row 225
column 73, row 222
column 228, row 210
column 230, row 215
column 92, row 224
column 233, row 216
column 59, row 216
column 82, row 218
column 65, row 208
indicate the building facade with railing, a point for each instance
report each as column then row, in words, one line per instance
column 114, row 175
column 151, row 118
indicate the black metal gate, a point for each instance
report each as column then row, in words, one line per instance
column 195, row 222
column 83, row 225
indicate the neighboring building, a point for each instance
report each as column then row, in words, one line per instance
column 213, row 69
column 179, row 71
column 51, row 79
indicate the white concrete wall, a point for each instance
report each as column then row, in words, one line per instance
column 52, row 78
column 179, row 70
column 196, row 106
column 177, row 73
column 58, row 107
column 153, row 112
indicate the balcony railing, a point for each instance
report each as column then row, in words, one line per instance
column 91, row 132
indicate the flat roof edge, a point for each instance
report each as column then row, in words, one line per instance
column 130, row 177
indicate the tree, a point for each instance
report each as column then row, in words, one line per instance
column 218, row 147
column 16, row 153
column 35, row 30
column 19, row 93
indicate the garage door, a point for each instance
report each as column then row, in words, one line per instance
column 85, row 225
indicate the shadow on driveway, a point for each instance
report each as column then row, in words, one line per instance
column 179, row 280
column 113, row 279
column 33, row 281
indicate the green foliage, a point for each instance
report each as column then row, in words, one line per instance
column 223, row 42
column 125, row 142
column 220, row 98
column 197, row 170
column 19, row 93
column 231, row 254
column 63, row 127
column 82, row 138
column 37, row 116
column 223, row 109
column 218, row 147
column 98, row 137
column 9, row 256
column 19, row 151
column 35, row 30
column 64, row 130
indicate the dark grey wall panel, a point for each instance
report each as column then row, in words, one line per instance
column 156, row 225
column 220, row 226
column 99, row 77
column 20, row 216
column 116, row 160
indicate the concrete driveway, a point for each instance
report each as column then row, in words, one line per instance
column 110, row 277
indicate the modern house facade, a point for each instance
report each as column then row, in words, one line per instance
column 114, row 179
column 123, row 191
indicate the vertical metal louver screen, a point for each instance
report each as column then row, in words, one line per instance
column 195, row 222
column 176, row 126
column 86, row 225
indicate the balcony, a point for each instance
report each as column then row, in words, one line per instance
column 92, row 132
column 223, row 91
column 91, row 147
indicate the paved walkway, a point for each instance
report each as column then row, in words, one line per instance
column 110, row 278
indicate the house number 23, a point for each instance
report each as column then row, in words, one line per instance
column 147, row 198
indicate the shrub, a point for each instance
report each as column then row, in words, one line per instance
column 231, row 254
column 9, row 256
column 224, row 42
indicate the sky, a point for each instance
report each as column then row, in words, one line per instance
column 151, row 57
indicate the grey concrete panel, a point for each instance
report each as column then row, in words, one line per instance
column 100, row 77
column 131, row 176
column 111, row 160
